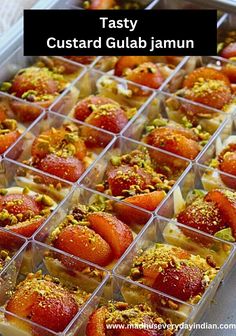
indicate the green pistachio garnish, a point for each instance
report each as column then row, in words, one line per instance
column 186, row 122
column 214, row 163
column 3, row 192
column 159, row 122
column 45, row 200
column 5, row 86
column 225, row 234
column 29, row 93
column 220, row 46
column 115, row 160
column 195, row 193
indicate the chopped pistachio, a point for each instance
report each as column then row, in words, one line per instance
column 214, row 163
column 71, row 127
column 196, row 299
column 203, row 143
column 86, row 4
column 173, row 305
column 3, row 192
column 4, row 214
column 74, row 221
column 45, row 212
column 220, row 46
column 4, row 254
column 71, row 137
column 149, row 128
column 13, row 219
column 4, row 131
column 26, row 190
column 37, row 217
column 84, row 223
column 29, row 93
column 199, row 127
column 195, row 193
column 11, row 124
column 131, row 112
column 152, row 69
column 45, row 200
column 93, row 208
column 5, row 86
column 186, row 122
column 70, row 149
column 115, row 160
column 19, row 217
column 225, row 234
column 167, row 169
column 159, row 122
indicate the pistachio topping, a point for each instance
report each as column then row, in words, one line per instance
column 63, row 142
column 159, row 122
column 9, row 124
column 42, row 84
column 195, row 194
column 3, row 192
column 14, row 213
column 206, row 86
column 4, row 258
column 45, row 200
column 200, row 135
column 138, row 159
column 5, row 86
column 186, row 122
column 225, row 234
column 28, row 93
column 26, row 190
column 231, row 195
column 115, row 160
column 230, row 38
column 50, row 287
column 161, row 256
column 122, row 312
column 78, row 215
column 214, row 163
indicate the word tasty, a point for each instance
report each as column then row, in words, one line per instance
column 120, row 24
